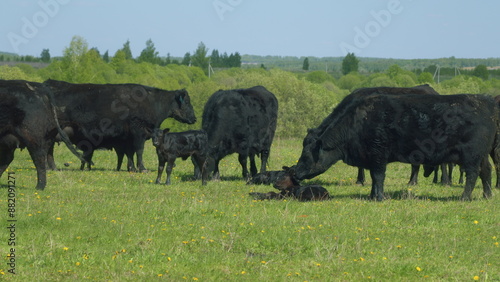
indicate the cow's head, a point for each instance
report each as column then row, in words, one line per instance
column 183, row 110
column 317, row 156
column 158, row 134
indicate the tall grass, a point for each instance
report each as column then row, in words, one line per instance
column 117, row 226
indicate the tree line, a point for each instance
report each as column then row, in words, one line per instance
column 149, row 54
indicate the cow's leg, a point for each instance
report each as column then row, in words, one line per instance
column 170, row 167
column 6, row 157
column 495, row 156
column 461, row 179
column 485, row 175
column 471, row 174
column 361, row 176
column 201, row 163
column 414, row 174
column 130, row 163
column 87, row 156
column 51, row 164
column 264, row 156
column 139, row 151
column 243, row 162
column 445, row 180
column 216, row 175
column 161, row 166
column 436, row 172
column 253, row 167
column 197, row 170
column 120, row 153
column 39, row 157
column 378, row 177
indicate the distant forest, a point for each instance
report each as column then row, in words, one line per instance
column 448, row 66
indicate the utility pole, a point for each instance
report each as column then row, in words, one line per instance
column 437, row 72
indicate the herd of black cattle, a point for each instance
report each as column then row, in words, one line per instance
column 370, row 128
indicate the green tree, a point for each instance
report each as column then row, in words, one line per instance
column 105, row 57
column 45, row 56
column 168, row 59
column 149, row 54
column 481, row 71
column 350, row 81
column 199, row 58
column 425, row 77
column 73, row 56
column 394, row 70
column 350, row 63
column 187, row 59
column 305, row 64
column 126, row 50
column 215, row 59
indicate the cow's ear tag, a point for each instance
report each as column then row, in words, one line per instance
column 181, row 99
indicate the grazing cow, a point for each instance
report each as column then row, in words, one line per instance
column 240, row 121
column 290, row 187
column 266, row 178
column 119, row 116
column 374, row 130
column 27, row 120
column 173, row 145
column 424, row 89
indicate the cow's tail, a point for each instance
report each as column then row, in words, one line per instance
column 63, row 134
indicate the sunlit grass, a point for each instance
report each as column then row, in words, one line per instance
column 119, row 226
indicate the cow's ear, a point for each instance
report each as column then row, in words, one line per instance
column 180, row 98
column 166, row 130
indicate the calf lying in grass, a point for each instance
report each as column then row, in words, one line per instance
column 290, row 187
column 266, row 178
column 170, row 146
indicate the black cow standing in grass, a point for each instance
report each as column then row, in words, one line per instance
column 424, row 89
column 27, row 120
column 372, row 131
column 119, row 116
column 173, row 145
column 240, row 121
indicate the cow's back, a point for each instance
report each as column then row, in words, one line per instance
column 240, row 119
column 416, row 129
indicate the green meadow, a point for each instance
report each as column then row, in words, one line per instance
column 106, row 225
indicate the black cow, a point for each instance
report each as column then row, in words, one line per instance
column 290, row 187
column 169, row 146
column 119, row 116
column 424, row 89
column 266, row 178
column 240, row 121
column 372, row 131
column 27, row 120
column 120, row 149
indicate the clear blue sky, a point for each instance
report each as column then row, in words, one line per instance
column 321, row 28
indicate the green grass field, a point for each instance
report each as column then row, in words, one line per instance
column 117, row 226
